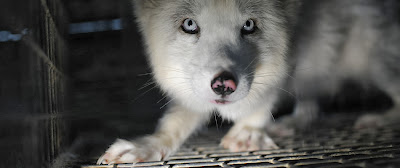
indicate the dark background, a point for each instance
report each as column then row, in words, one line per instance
column 71, row 77
column 70, row 72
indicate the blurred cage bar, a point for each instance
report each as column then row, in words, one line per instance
column 32, row 81
column 68, row 81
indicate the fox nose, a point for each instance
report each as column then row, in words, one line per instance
column 224, row 84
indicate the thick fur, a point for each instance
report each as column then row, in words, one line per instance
column 332, row 39
column 340, row 40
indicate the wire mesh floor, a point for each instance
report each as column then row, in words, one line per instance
column 330, row 145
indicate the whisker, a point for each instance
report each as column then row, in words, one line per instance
column 167, row 103
column 276, row 87
column 252, row 61
column 161, row 99
column 165, row 96
column 145, row 74
column 216, row 120
column 264, row 75
column 176, row 78
column 261, row 75
column 272, row 115
column 146, row 85
column 174, row 69
column 142, row 94
column 269, row 74
column 290, row 76
column 247, row 75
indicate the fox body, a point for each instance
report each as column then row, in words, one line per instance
column 340, row 40
column 235, row 56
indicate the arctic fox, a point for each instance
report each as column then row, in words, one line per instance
column 235, row 56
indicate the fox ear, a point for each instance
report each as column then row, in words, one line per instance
column 292, row 8
column 143, row 9
column 146, row 4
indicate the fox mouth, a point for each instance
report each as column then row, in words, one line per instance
column 221, row 101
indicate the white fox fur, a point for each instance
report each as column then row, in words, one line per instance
column 184, row 64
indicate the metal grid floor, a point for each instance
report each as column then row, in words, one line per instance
column 330, row 145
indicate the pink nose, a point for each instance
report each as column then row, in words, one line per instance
column 224, row 84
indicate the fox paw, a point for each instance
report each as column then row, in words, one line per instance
column 247, row 139
column 281, row 129
column 369, row 121
column 123, row 151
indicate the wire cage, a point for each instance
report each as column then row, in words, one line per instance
column 32, row 88
column 64, row 72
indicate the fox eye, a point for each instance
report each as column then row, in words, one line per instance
column 190, row 26
column 249, row 27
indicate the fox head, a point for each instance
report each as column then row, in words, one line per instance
column 215, row 53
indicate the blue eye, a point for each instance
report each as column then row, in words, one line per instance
column 249, row 27
column 190, row 26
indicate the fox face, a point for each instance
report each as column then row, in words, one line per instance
column 214, row 54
